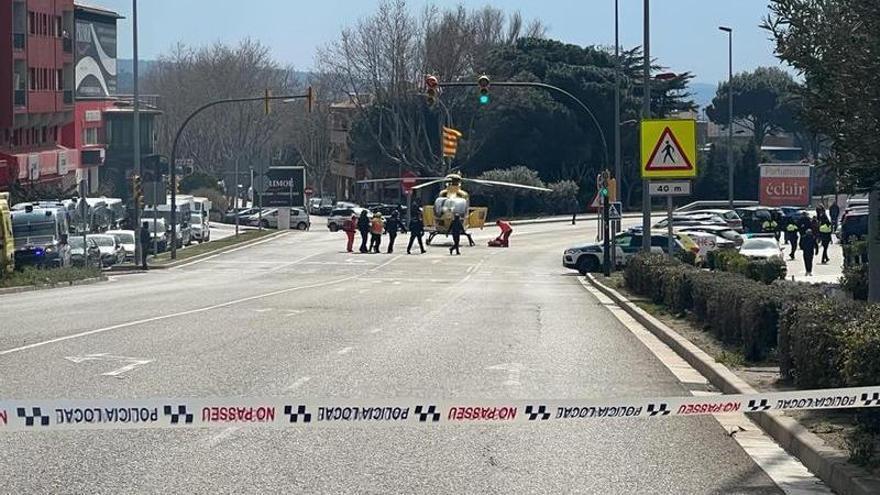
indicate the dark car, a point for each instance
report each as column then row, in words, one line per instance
column 753, row 217
column 241, row 213
column 854, row 226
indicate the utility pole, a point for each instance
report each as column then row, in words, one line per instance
column 618, row 172
column 646, row 114
column 136, row 125
column 730, row 171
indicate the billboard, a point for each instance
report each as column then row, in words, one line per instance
column 284, row 186
column 785, row 184
column 95, row 56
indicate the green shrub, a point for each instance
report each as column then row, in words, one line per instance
column 687, row 257
column 861, row 365
column 855, row 281
column 811, row 341
column 855, row 253
column 766, row 271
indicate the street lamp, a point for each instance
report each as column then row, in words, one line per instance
column 646, row 114
column 618, row 173
column 729, row 32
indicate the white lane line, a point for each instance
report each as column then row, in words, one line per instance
column 376, row 330
column 263, row 310
column 785, row 470
column 298, row 383
column 192, row 311
column 344, row 351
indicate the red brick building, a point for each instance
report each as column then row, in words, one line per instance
column 37, row 95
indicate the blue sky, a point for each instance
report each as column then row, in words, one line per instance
column 685, row 34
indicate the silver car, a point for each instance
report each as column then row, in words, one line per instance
column 111, row 250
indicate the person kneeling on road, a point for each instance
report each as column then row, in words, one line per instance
column 503, row 239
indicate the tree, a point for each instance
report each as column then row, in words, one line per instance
column 220, row 137
column 834, row 45
column 507, row 195
column 764, row 102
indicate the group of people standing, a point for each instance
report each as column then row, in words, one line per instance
column 371, row 230
column 807, row 234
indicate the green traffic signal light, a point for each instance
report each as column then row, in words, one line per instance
column 604, row 191
column 484, row 99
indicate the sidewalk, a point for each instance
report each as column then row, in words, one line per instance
column 829, row 273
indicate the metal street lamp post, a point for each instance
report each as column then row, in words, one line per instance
column 729, row 32
column 646, row 114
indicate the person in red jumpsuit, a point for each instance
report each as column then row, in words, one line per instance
column 503, row 239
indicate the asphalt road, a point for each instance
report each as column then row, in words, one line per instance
column 297, row 316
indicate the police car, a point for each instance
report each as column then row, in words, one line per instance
column 588, row 258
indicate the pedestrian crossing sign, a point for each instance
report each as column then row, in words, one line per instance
column 669, row 149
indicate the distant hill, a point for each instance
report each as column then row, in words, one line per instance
column 703, row 94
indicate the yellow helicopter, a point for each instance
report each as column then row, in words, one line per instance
column 453, row 200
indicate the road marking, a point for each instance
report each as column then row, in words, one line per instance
column 785, row 470
column 298, row 383
column 193, row 311
column 513, row 372
column 376, row 330
column 223, row 435
column 132, row 362
column 344, row 351
column 263, row 310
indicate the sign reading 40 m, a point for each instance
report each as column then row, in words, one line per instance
column 669, row 149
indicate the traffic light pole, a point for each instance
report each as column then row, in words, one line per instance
column 172, row 167
column 606, row 241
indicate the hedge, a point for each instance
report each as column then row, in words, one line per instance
column 766, row 271
column 737, row 310
column 821, row 341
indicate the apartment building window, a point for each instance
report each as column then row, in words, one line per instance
column 33, row 78
column 32, row 23
column 90, row 135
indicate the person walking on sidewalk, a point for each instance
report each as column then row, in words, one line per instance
column 825, row 229
column 377, row 226
column 791, row 236
column 416, row 231
column 808, row 248
column 456, row 229
column 350, row 228
column 363, row 226
column 145, row 239
column 392, row 226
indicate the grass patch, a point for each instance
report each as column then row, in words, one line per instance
column 207, row 247
column 32, row 277
column 731, row 359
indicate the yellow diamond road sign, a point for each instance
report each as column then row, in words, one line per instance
column 669, row 149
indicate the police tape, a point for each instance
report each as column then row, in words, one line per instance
column 46, row 415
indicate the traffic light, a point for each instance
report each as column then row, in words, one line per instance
column 432, row 89
column 603, row 182
column 137, row 191
column 483, row 82
column 450, row 141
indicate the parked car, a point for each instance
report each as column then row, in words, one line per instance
column 200, row 226
column 753, row 217
column 111, row 251
column 126, row 239
column 339, row 215
column 589, row 257
column 854, row 226
column 39, row 236
column 77, row 256
column 158, row 236
column 722, row 231
column 241, row 213
column 691, row 219
column 733, row 220
column 761, row 247
column 299, row 219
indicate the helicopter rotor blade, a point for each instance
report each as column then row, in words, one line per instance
column 509, row 184
column 397, row 179
column 429, row 183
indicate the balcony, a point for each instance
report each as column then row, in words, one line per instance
column 68, row 97
column 18, row 41
column 20, row 98
column 67, row 45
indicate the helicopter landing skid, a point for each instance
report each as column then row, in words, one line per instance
column 434, row 234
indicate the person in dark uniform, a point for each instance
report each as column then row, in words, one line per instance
column 145, row 238
column 825, row 230
column 791, row 236
column 834, row 211
column 808, row 248
column 363, row 226
column 416, row 231
column 392, row 226
column 456, row 229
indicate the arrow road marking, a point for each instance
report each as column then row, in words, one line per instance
column 132, row 362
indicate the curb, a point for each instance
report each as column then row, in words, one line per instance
column 32, row 288
column 828, row 463
column 172, row 264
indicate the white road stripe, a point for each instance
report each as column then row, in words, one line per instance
column 191, row 311
column 344, row 350
column 233, row 250
column 298, row 383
